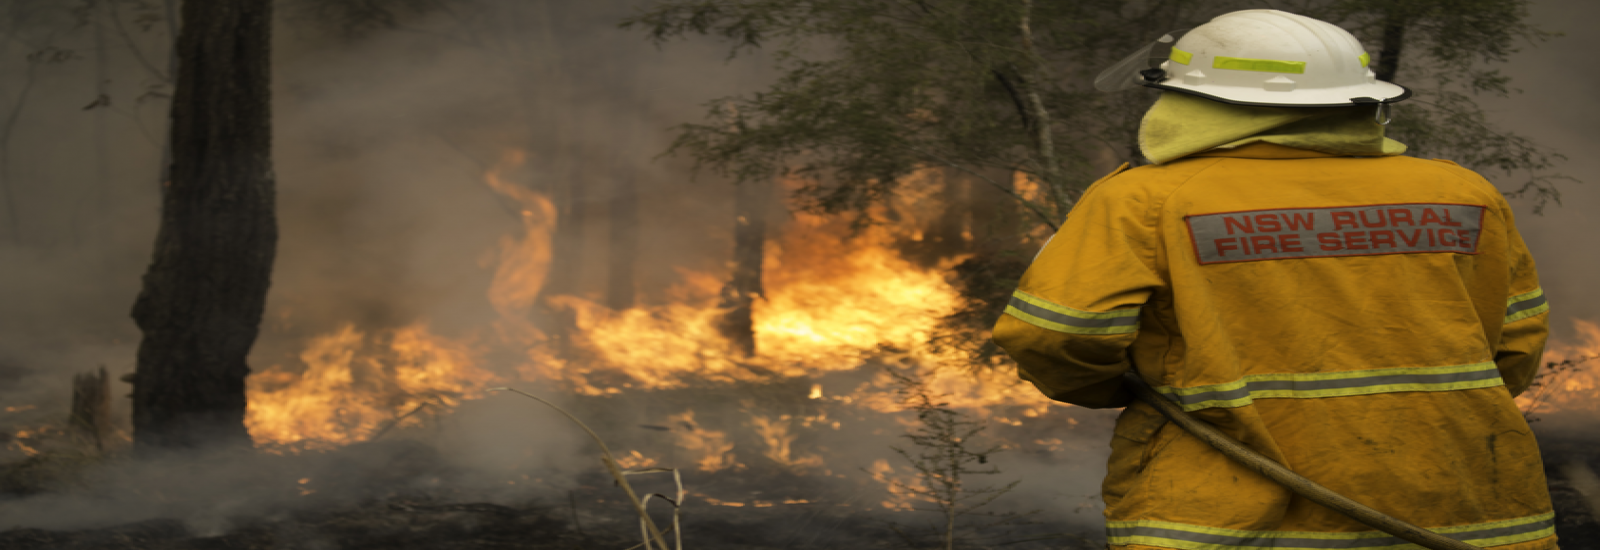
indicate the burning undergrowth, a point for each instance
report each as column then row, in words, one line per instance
column 392, row 421
column 805, row 424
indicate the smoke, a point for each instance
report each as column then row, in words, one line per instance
column 1558, row 109
column 213, row 490
column 382, row 142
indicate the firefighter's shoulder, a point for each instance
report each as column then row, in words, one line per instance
column 1146, row 181
column 1465, row 175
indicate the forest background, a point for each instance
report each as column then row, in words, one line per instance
column 386, row 121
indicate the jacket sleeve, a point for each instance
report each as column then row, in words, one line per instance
column 1527, row 322
column 1076, row 311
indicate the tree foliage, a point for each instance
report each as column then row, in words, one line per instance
column 1001, row 90
column 872, row 90
column 1449, row 52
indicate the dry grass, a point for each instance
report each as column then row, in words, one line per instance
column 653, row 536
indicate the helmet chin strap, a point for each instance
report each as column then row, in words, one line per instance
column 1382, row 115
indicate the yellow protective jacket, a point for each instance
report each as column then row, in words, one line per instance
column 1363, row 321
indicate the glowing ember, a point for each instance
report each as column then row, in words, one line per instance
column 778, row 437
column 634, row 460
column 901, row 495
column 1570, row 378
column 353, row 386
column 713, row 448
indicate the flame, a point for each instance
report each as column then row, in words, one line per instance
column 1570, row 378
column 902, row 494
column 835, row 298
column 523, row 262
column 635, row 460
column 353, row 386
column 779, row 440
column 713, row 447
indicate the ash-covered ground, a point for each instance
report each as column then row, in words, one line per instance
column 504, row 472
column 423, row 488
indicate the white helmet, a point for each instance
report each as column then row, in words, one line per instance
column 1261, row 57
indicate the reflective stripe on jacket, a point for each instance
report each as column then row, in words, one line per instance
column 1363, row 321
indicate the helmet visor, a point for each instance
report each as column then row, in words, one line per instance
column 1125, row 74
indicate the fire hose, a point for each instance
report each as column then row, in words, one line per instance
column 1300, row 485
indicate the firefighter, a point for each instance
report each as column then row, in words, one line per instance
column 1282, row 272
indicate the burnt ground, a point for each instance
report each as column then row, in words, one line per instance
column 1577, row 525
column 776, row 510
column 595, row 517
column 434, row 507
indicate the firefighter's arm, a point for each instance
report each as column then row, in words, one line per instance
column 1076, row 311
column 1527, row 322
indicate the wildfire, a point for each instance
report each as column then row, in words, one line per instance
column 523, row 261
column 714, row 450
column 353, row 386
column 779, row 439
column 835, row 299
column 902, row 487
column 1570, row 378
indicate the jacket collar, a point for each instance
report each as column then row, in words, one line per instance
column 1265, row 150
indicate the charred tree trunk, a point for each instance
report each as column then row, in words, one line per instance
column 201, row 305
column 623, row 249
column 749, row 243
column 557, row 121
column 623, row 246
column 572, row 219
column 1394, row 38
column 91, row 407
column 13, row 219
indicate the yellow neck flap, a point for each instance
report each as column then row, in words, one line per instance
column 1180, row 124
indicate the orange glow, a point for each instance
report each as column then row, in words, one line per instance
column 835, row 298
column 779, row 439
column 524, row 260
column 1570, row 378
column 713, row 448
column 901, row 496
column 635, row 460
column 354, row 385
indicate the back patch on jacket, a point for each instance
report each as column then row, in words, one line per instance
column 1409, row 228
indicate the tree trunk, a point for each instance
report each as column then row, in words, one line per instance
column 201, row 305
column 165, row 175
column 623, row 249
column 13, row 219
column 91, row 407
column 88, row 227
column 749, row 243
column 623, row 216
column 1394, row 38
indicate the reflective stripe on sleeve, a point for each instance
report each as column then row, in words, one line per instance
column 1046, row 314
column 1523, row 306
column 1334, row 384
column 1166, row 534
